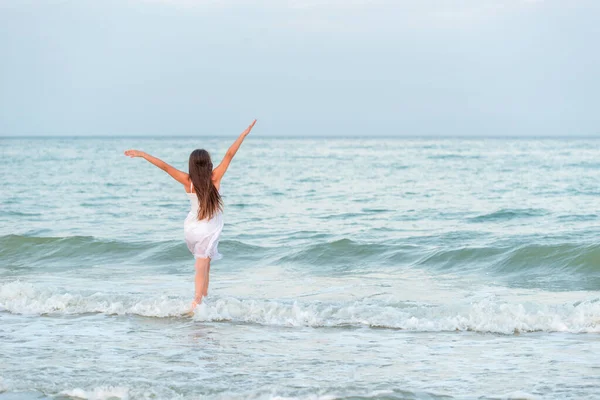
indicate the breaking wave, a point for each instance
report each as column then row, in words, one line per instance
column 487, row 314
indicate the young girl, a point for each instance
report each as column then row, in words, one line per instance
column 204, row 223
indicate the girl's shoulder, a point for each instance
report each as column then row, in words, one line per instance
column 188, row 187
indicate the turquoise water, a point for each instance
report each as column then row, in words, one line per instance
column 353, row 268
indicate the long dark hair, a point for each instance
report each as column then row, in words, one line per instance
column 209, row 199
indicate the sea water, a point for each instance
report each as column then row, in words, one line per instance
column 353, row 268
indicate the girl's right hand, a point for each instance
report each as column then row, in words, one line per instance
column 134, row 153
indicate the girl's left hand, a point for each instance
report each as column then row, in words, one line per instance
column 134, row 153
column 249, row 128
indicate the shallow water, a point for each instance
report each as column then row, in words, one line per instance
column 353, row 268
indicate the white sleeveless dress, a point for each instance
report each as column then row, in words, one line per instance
column 202, row 237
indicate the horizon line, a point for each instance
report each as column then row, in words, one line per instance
column 279, row 137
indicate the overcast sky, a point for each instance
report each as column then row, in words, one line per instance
column 302, row 67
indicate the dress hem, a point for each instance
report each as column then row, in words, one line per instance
column 212, row 258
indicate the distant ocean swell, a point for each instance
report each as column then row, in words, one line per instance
column 487, row 314
column 562, row 259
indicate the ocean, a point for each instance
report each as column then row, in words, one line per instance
column 353, row 268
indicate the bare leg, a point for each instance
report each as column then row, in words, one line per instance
column 205, row 291
column 200, row 280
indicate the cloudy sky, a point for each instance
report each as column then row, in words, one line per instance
column 302, row 67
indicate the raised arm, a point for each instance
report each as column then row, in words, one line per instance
column 178, row 175
column 222, row 168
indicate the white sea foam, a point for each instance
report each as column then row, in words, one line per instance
column 488, row 314
column 23, row 298
column 99, row 393
column 517, row 396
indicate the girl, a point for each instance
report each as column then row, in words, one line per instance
column 204, row 223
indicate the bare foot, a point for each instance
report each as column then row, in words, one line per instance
column 193, row 308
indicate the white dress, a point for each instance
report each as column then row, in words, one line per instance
column 202, row 237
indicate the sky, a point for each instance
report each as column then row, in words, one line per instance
column 301, row 67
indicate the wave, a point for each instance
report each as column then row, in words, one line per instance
column 487, row 315
column 263, row 393
column 343, row 253
column 564, row 261
column 568, row 260
column 12, row 213
column 568, row 257
column 454, row 157
column 509, row 214
column 26, row 251
column 563, row 257
column 62, row 246
column 577, row 217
